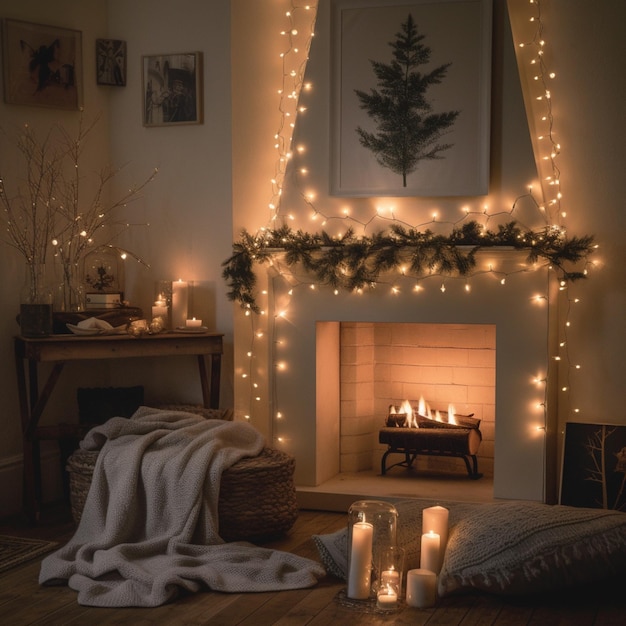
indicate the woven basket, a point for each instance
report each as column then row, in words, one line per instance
column 257, row 495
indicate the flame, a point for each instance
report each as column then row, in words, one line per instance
column 406, row 407
column 451, row 414
column 424, row 410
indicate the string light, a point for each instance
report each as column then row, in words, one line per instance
column 298, row 35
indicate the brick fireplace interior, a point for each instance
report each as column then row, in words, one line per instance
column 446, row 366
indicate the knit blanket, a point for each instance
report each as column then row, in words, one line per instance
column 149, row 528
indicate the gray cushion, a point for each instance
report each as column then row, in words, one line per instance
column 529, row 547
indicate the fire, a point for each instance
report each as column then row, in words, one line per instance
column 451, row 414
column 423, row 410
column 406, row 407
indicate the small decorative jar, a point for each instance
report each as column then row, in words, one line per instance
column 103, row 278
column 372, row 526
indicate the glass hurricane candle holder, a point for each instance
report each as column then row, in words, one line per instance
column 372, row 526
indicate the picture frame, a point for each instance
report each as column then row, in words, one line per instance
column 593, row 473
column 457, row 35
column 111, row 62
column 172, row 89
column 42, row 65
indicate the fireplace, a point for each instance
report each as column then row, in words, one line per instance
column 306, row 394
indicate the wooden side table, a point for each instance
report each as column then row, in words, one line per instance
column 59, row 349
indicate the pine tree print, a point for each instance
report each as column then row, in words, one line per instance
column 408, row 131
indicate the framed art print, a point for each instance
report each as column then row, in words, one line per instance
column 111, row 62
column 172, row 89
column 410, row 97
column 42, row 65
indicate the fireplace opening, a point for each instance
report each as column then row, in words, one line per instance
column 436, row 369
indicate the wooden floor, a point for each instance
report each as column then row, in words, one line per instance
column 23, row 601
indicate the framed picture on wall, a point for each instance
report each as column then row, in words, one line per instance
column 111, row 62
column 172, row 89
column 410, row 97
column 42, row 65
column 594, row 466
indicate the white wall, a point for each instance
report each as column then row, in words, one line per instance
column 188, row 205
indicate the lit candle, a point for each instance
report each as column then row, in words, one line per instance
column 421, row 588
column 391, row 577
column 435, row 518
column 179, row 303
column 193, row 323
column 387, row 597
column 160, row 309
column 360, row 561
column 429, row 556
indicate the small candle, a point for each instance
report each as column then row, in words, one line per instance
column 421, row 588
column 387, row 598
column 159, row 310
column 360, row 561
column 429, row 557
column 194, row 323
column 391, row 577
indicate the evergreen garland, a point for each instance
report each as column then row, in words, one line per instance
column 355, row 262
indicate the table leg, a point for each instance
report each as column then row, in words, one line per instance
column 216, row 363
column 210, row 391
column 32, row 405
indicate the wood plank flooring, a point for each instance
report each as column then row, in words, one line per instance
column 23, row 601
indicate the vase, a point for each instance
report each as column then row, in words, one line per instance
column 371, row 529
column 35, row 317
column 70, row 296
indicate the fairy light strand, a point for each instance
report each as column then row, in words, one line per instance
column 548, row 208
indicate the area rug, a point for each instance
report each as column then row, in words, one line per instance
column 17, row 550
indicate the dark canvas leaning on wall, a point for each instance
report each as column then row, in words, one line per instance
column 594, row 466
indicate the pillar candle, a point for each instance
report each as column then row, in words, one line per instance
column 429, row 557
column 360, row 561
column 435, row 518
column 180, row 291
column 421, row 588
column 160, row 311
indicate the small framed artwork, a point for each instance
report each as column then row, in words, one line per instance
column 594, row 466
column 172, row 89
column 42, row 65
column 111, row 62
column 410, row 97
